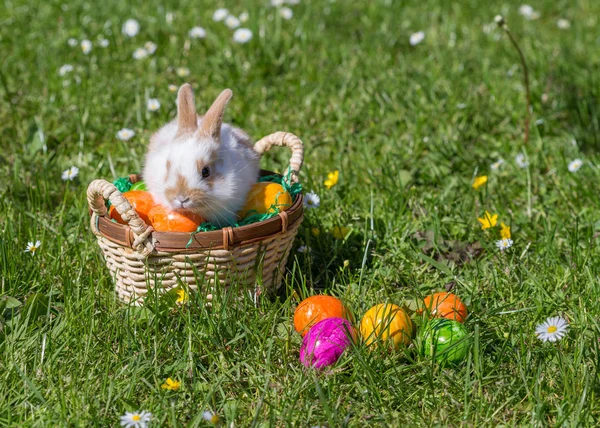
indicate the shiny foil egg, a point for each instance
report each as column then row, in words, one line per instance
column 445, row 340
column 326, row 341
column 316, row 308
column 386, row 324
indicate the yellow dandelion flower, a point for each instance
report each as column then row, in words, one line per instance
column 171, row 385
column 182, row 296
column 479, row 181
column 504, row 231
column 315, row 231
column 332, row 179
column 488, row 220
column 340, row 232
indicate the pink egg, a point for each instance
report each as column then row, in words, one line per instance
column 326, row 341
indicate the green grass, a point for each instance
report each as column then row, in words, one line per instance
column 407, row 126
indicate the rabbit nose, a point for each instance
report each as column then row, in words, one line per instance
column 182, row 200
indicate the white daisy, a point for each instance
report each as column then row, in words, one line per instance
column 103, row 42
column 152, row 104
column 277, row 3
column 173, row 88
column 72, row 42
column 496, row 165
column 183, row 71
column 210, row 417
column 131, row 28
column 32, row 248
column 575, row 165
column 136, row 419
column 504, row 244
column 232, row 22
column 416, row 38
column 243, row 17
column 528, row 12
column 242, row 35
column 67, row 68
column 312, row 200
column 197, row 33
column 140, row 53
column 150, row 47
column 292, row 2
column 303, row 249
column 553, row 329
column 220, row 14
column 563, row 24
column 169, row 17
column 286, row 13
column 86, row 46
column 70, row 173
column 125, row 134
column 521, row 161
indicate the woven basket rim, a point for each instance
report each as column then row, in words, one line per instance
column 223, row 238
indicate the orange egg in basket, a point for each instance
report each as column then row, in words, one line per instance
column 162, row 219
column 140, row 200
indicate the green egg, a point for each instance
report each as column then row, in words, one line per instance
column 445, row 340
column 140, row 185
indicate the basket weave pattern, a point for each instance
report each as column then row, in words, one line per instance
column 253, row 256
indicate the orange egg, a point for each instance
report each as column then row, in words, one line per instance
column 386, row 322
column 141, row 202
column 316, row 308
column 263, row 198
column 162, row 219
column 445, row 305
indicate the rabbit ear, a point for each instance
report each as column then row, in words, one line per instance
column 187, row 121
column 213, row 119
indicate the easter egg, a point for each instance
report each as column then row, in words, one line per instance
column 386, row 323
column 265, row 198
column 445, row 305
column 316, row 308
column 141, row 202
column 138, row 185
column 445, row 340
column 162, row 219
column 326, row 341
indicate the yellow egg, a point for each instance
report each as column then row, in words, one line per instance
column 386, row 322
column 264, row 198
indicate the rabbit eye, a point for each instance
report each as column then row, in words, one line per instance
column 205, row 172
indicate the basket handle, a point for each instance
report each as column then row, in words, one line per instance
column 284, row 139
column 100, row 191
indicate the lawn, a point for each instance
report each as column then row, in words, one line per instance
column 408, row 123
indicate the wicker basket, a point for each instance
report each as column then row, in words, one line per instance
column 252, row 256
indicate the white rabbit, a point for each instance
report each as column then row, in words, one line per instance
column 199, row 163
